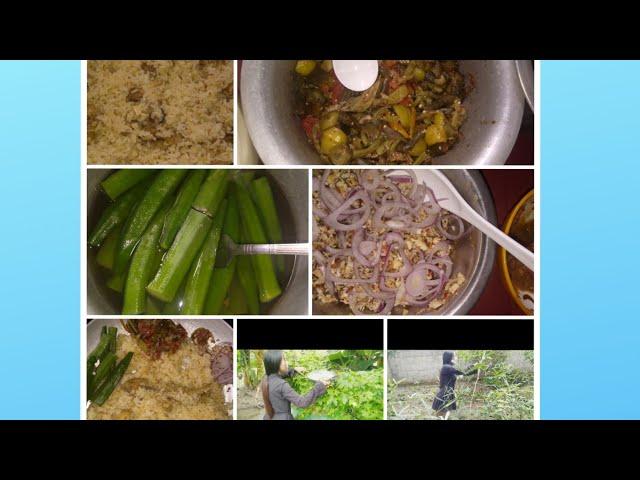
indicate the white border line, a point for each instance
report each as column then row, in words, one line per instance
column 409, row 318
column 385, row 357
column 310, row 241
column 83, row 240
column 236, row 384
column 537, row 243
column 235, row 112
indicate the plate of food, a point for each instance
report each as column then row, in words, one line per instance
column 159, row 369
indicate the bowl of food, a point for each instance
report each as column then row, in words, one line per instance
column 382, row 245
column 517, row 278
column 418, row 112
column 159, row 369
column 146, row 258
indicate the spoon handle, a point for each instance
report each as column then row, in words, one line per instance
column 523, row 254
column 274, row 249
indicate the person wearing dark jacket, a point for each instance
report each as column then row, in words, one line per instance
column 445, row 400
column 277, row 394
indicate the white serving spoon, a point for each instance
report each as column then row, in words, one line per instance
column 449, row 199
column 356, row 75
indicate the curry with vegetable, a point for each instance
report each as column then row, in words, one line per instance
column 412, row 113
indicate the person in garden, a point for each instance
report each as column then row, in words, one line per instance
column 445, row 400
column 277, row 394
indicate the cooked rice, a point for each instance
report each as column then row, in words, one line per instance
column 160, row 112
column 176, row 386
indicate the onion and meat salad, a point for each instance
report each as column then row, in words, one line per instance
column 381, row 240
column 412, row 113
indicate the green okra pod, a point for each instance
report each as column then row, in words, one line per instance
column 174, row 307
column 116, row 282
column 102, row 348
column 236, row 301
column 197, row 286
column 115, row 215
column 212, row 191
column 109, row 385
column 262, row 264
column 101, row 372
column 190, row 237
column 180, row 256
column 121, row 181
column 247, row 278
column 221, row 277
column 266, row 205
column 179, row 210
column 153, row 307
column 143, row 266
column 113, row 336
column 162, row 186
column 107, row 251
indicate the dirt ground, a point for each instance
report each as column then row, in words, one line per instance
column 249, row 405
column 413, row 402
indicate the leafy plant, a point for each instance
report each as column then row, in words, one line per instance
column 250, row 366
column 309, row 359
column 357, row 359
column 354, row 395
column 357, row 393
column 502, row 390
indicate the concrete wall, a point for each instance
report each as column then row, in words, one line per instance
column 423, row 366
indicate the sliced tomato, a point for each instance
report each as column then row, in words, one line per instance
column 308, row 123
column 336, row 92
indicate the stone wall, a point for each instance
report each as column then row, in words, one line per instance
column 423, row 366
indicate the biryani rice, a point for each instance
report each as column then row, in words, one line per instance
column 176, row 386
column 160, row 112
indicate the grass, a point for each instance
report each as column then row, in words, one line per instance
column 413, row 402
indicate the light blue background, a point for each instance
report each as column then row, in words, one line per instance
column 590, row 331
column 39, row 241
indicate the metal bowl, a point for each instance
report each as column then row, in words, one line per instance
column 293, row 186
column 474, row 254
column 494, row 114
column 221, row 330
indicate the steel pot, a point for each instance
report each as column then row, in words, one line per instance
column 474, row 254
column 292, row 185
column 494, row 114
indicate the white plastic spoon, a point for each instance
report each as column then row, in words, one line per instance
column 356, row 75
column 449, row 199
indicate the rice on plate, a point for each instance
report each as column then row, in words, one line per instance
column 160, row 112
column 177, row 384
